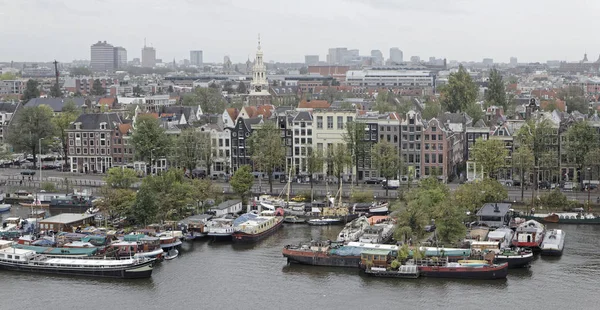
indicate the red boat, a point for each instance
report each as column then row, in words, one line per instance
column 460, row 271
column 529, row 234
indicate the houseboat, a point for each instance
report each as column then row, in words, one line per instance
column 71, row 204
column 168, row 240
column 566, row 218
column 554, row 243
column 323, row 253
column 294, row 219
column 196, row 226
column 324, row 221
column 220, row 228
column 354, row 230
column 135, row 249
column 378, row 233
column 529, row 234
column 259, row 227
column 29, row 261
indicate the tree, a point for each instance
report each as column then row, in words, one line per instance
column 387, row 160
column 304, row 70
column 149, row 139
column 460, row 92
column 137, row 91
column 536, row 135
column 214, row 85
column 525, row 162
column 31, row 91
column 204, row 190
column 31, row 125
column 97, row 89
column 267, row 150
column 188, row 149
column 361, row 195
column 241, row 89
column 339, row 159
column 331, row 94
column 472, row 196
column 490, row 154
column 314, row 164
column 209, row 99
column 80, row 71
column 474, row 111
column 117, row 202
column 118, row 177
column 355, row 141
column 8, row 76
column 581, row 139
column 173, row 193
column 55, row 91
column 242, row 181
column 170, row 89
column 145, row 207
column 496, row 92
column 62, row 122
column 554, row 200
column 449, row 223
column 432, row 110
column 228, row 87
column 592, row 160
column 574, row 98
column 411, row 223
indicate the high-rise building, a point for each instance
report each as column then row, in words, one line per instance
column 377, row 56
column 148, row 57
column 513, row 61
column 396, row 55
column 311, row 60
column 102, row 57
column 120, row 57
column 196, row 58
column 337, row 55
column 488, row 62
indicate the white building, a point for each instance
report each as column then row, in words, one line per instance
column 302, row 144
column 227, row 207
column 221, row 147
column 329, row 128
column 390, row 78
column 396, row 55
column 102, row 57
column 259, row 87
column 196, row 58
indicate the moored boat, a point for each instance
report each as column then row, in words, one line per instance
column 317, row 253
column 445, row 269
column 353, row 230
column 566, row 218
column 554, row 243
column 5, row 207
column 516, row 258
column 529, row 234
column 220, row 228
column 324, row 221
column 172, row 254
column 293, row 219
column 259, row 227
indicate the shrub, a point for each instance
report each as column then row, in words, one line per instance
column 49, row 187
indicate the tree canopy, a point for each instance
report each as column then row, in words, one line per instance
column 118, row 177
column 496, row 92
column 355, row 141
column 490, row 154
column 209, row 99
column 31, row 125
column 460, row 92
column 581, row 139
column 149, row 139
column 387, row 160
column 241, row 182
column 31, row 91
column 188, row 149
column 97, row 89
column 267, row 150
column 61, row 123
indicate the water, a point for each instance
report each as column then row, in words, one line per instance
column 209, row 275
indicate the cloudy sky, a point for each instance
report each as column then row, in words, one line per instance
column 532, row 30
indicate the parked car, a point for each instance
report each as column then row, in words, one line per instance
column 27, row 172
column 544, row 185
column 373, row 181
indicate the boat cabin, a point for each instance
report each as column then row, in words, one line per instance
column 375, row 257
column 227, row 207
column 16, row 255
column 485, row 246
column 495, row 215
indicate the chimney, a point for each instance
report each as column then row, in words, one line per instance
column 496, row 208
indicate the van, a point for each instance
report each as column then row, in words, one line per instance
column 391, row 184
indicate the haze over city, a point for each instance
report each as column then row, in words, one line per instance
column 536, row 30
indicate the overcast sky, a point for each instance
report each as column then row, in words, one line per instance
column 532, row 30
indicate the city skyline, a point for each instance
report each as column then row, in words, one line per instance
column 528, row 31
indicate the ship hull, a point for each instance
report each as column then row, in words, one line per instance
column 241, row 237
column 484, row 273
column 559, row 220
column 551, row 252
column 516, row 261
column 320, row 259
column 143, row 270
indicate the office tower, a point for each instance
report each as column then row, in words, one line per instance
column 513, row 61
column 196, row 58
column 377, row 56
column 311, row 60
column 120, row 57
column 102, row 57
column 396, row 55
column 148, row 57
column 337, row 55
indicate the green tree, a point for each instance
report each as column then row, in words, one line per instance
column 117, row 202
column 432, row 110
column 524, row 161
column 241, row 182
column 496, row 92
column 145, row 207
column 387, row 160
column 314, row 164
column 460, row 92
column 173, row 193
column 149, row 139
column 490, row 154
column 267, row 150
column 355, row 141
column 411, row 223
column 170, row 89
column 574, row 98
column 581, row 139
column 474, row 111
column 31, row 91
column 55, row 91
column 62, row 122
column 204, row 190
column 472, row 196
column 450, row 228
column 209, row 99
column 118, row 177
column 188, row 149
column 242, row 89
column 536, row 136
column 339, row 160
column 228, row 87
column 592, row 161
column 8, row 76
column 31, row 125
column 97, row 89
column 137, row 91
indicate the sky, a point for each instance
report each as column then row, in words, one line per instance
column 532, row 30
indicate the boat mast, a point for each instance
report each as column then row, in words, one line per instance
column 288, row 185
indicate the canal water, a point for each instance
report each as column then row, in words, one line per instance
column 221, row 275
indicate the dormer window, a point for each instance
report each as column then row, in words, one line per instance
column 103, row 126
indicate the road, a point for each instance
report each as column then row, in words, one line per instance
column 320, row 190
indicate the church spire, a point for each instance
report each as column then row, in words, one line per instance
column 259, row 41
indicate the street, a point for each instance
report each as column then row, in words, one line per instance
column 13, row 177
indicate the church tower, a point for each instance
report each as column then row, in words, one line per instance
column 259, row 88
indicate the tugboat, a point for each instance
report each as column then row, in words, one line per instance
column 554, row 243
column 529, row 234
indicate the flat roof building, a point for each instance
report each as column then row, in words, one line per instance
column 66, row 221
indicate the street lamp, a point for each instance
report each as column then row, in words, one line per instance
column 40, row 156
column 589, row 186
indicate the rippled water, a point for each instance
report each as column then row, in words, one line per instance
column 209, row 275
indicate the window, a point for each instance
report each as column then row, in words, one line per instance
column 433, row 146
column 427, row 146
column 71, row 143
column 115, row 150
column 426, row 137
column 340, row 122
column 411, row 158
column 404, row 146
column 426, row 158
column 440, row 137
column 309, row 132
column 320, row 122
column 296, row 140
column 92, row 151
column 227, row 142
column 349, row 119
column 433, row 137
column 433, row 128
column 78, row 151
column 440, row 146
column 433, row 159
column 440, row 158
column 220, row 142
column 426, row 170
column 329, row 122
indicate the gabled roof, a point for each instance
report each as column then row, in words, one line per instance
column 480, row 124
column 233, row 113
column 303, row 116
column 9, row 107
column 125, row 128
column 110, row 102
column 186, row 111
column 56, row 104
column 314, row 104
column 92, row 121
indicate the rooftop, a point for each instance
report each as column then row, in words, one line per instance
column 67, row 218
column 488, row 209
column 226, row 204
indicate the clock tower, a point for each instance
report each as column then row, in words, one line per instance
column 259, row 88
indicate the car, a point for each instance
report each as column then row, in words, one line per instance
column 27, row 172
column 373, row 181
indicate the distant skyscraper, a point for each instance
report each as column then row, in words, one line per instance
column 513, row 61
column 337, row 55
column 488, row 62
column 377, row 56
column 102, row 57
column 396, row 55
column 120, row 57
column 196, row 58
column 415, row 59
column 148, row 56
column 311, row 60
